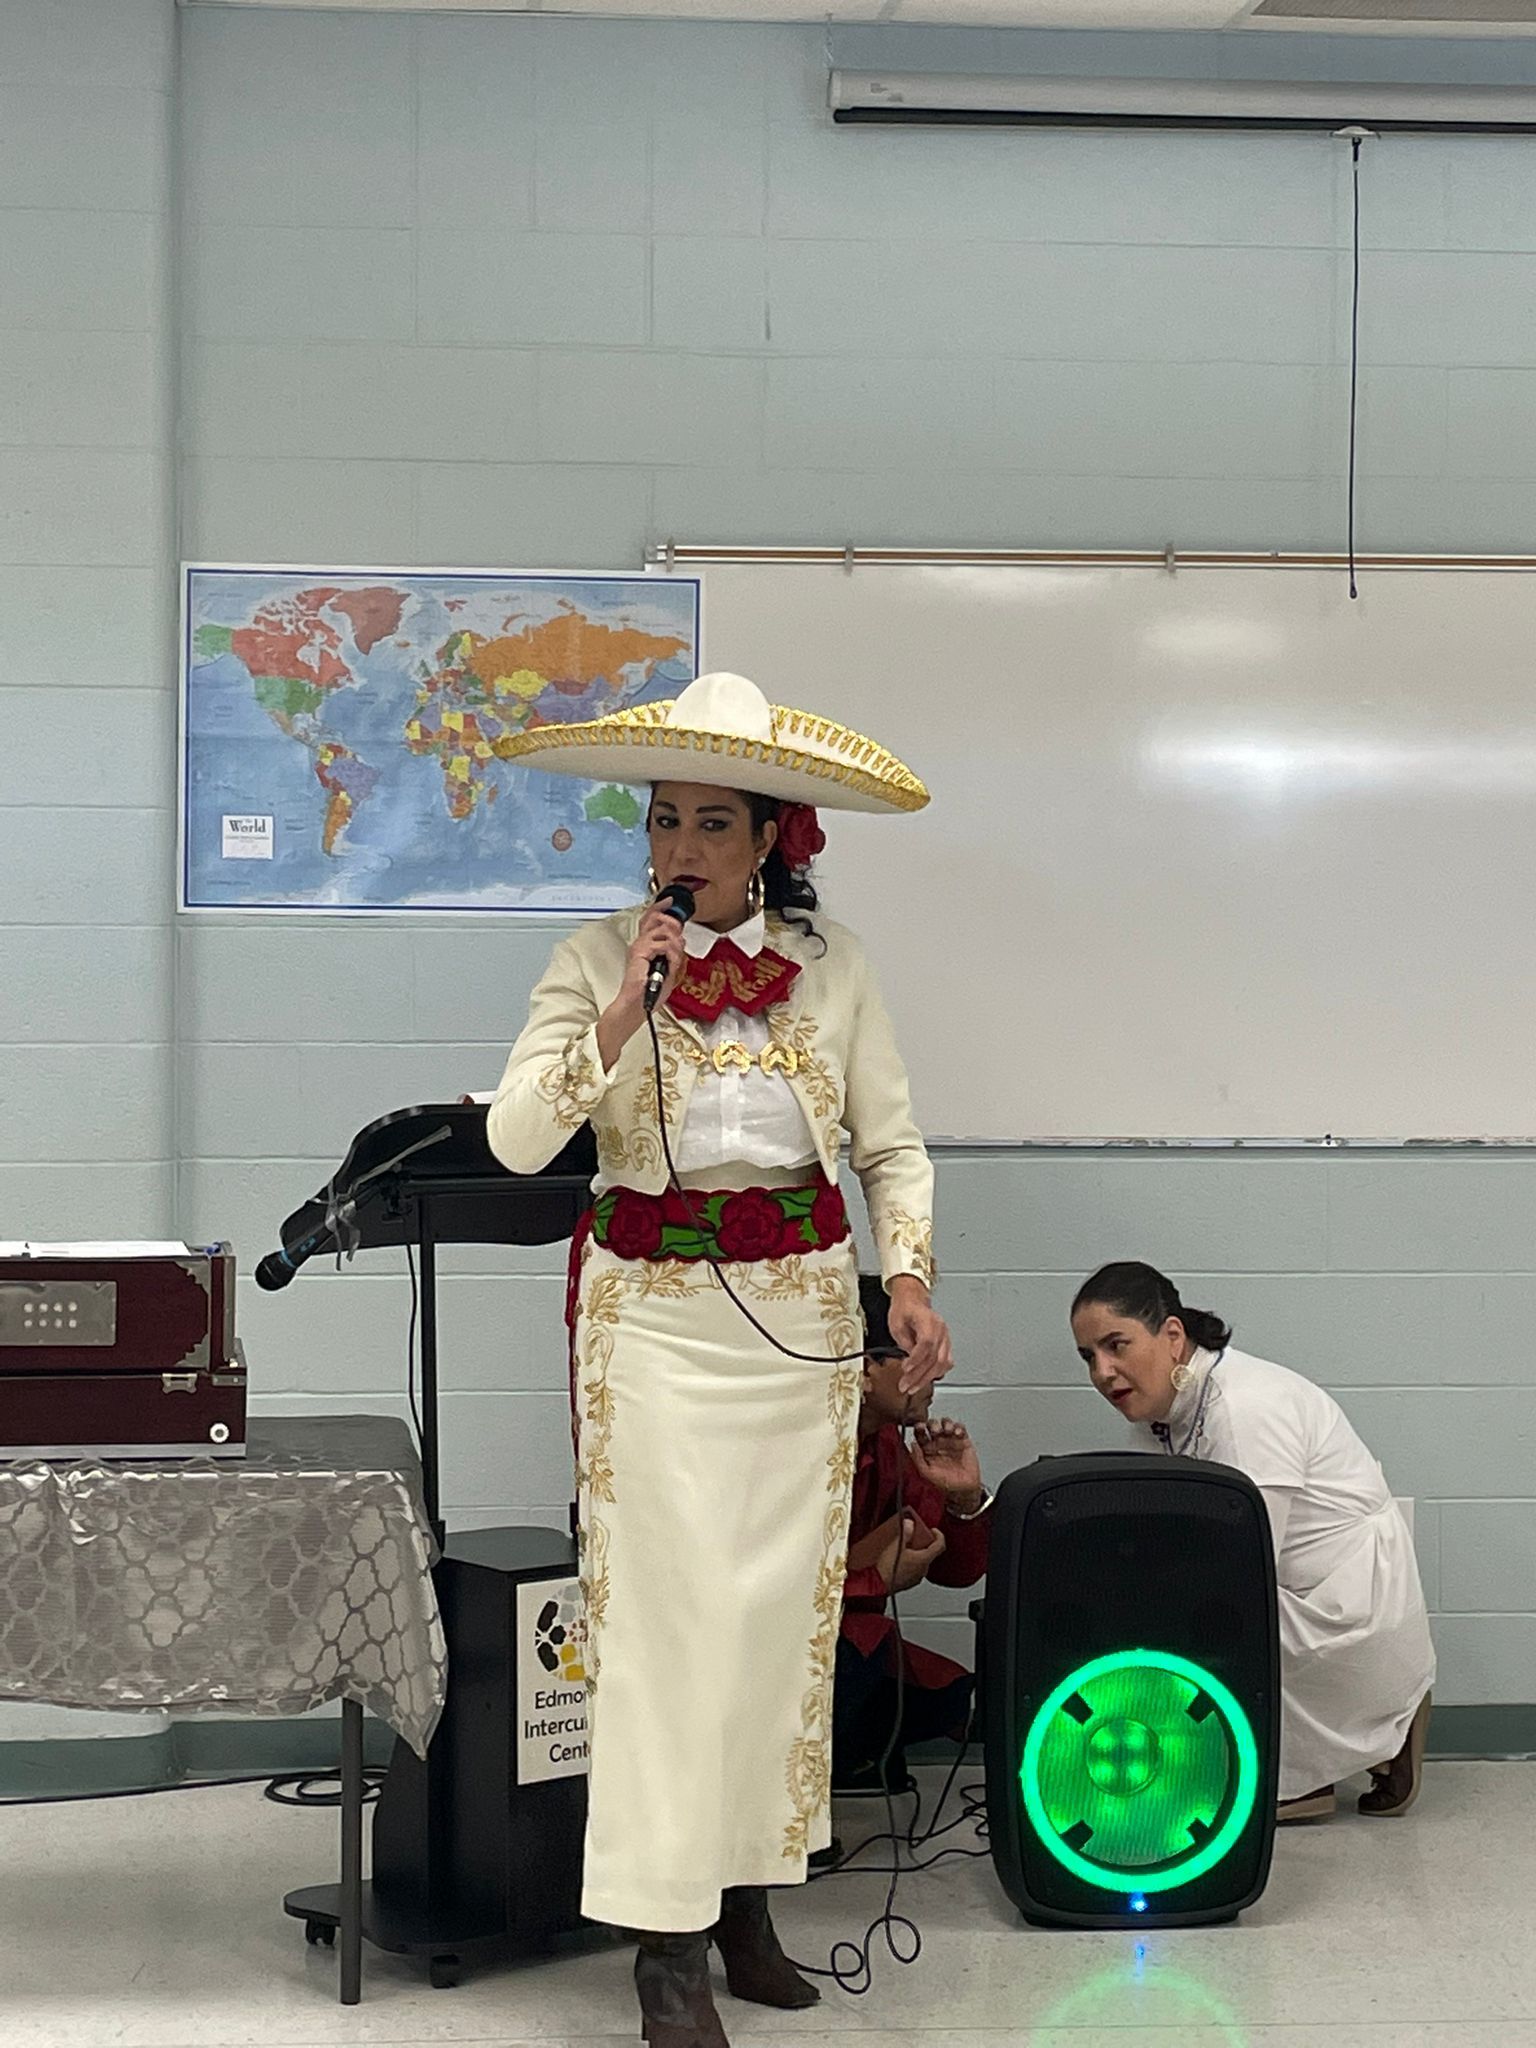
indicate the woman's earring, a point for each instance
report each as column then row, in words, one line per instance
column 652, row 881
column 1182, row 1375
column 755, row 893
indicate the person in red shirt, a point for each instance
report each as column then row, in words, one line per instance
column 918, row 1514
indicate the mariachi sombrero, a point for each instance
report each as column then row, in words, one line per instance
column 722, row 729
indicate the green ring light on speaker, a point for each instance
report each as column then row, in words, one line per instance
column 1140, row 1771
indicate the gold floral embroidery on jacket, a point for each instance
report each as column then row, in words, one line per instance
column 794, row 1038
column 639, row 1149
column 911, row 1237
column 612, row 1148
column 569, row 1084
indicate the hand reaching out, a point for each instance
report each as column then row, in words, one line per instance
column 943, row 1453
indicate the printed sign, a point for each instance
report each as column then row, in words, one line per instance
column 551, row 1681
column 247, row 838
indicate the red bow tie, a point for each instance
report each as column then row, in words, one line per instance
column 725, row 979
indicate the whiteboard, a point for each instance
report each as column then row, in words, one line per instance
column 1211, row 854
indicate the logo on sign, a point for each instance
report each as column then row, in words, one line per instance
column 551, row 1681
column 247, row 837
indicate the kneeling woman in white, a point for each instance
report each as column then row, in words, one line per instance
column 1356, row 1659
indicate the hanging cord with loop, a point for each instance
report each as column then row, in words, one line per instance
column 1354, row 137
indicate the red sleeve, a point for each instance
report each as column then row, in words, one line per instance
column 965, row 1550
column 866, row 1588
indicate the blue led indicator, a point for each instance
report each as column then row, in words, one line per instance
column 1138, row 1902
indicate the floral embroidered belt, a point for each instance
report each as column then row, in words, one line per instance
column 751, row 1223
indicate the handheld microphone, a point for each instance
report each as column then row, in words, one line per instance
column 275, row 1271
column 278, row 1268
column 677, row 901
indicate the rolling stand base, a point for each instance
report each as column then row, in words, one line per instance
column 449, row 1941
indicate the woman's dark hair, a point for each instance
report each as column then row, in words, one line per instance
column 1150, row 1298
column 783, row 889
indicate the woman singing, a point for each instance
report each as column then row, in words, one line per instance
column 1356, row 1659
column 714, row 1471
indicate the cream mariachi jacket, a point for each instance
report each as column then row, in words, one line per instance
column 840, row 1060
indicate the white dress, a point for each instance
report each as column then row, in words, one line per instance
column 1356, row 1655
column 715, row 1472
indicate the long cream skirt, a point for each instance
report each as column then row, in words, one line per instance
column 714, row 1477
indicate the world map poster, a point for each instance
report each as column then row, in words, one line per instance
column 344, row 736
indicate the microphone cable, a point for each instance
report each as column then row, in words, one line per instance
column 717, row 1265
column 851, row 1964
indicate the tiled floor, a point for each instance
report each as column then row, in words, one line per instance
column 157, row 1923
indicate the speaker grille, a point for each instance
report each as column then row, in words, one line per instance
column 1132, row 1709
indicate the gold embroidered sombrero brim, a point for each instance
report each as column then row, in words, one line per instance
column 794, row 756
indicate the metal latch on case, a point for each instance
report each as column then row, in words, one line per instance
column 178, row 1383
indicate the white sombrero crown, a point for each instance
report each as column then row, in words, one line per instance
column 722, row 729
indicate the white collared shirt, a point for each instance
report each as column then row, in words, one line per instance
column 740, row 1118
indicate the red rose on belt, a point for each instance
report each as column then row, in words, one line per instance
column 800, row 835
column 829, row 1216
column 634, row 1228
column 751, row 1226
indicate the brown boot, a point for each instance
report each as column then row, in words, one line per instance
column 1318, row 1805
column 1395, row 1786
column 676, row 2004
column 756, row 1967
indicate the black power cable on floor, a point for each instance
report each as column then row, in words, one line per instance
column 294, row 1788
column 288, row 1790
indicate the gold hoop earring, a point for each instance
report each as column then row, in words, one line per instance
column 1181, row 1376
column 652, row 881
column 755, row 893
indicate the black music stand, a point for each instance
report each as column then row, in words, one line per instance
column 466, row 1859
column 425, row 1177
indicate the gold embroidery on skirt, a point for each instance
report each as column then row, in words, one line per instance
column 808, row 1773
column 808, row 1769
column 600, row 1307
column 665, row 1280
column 598, row 1313
column 775, row 1279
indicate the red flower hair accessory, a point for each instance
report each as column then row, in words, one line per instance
column 800, row 835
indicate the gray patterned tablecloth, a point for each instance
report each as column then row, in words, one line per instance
column 266, row 1585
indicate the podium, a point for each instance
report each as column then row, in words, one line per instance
column 468, row 1859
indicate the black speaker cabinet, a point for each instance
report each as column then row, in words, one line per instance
column 1132, row 1691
